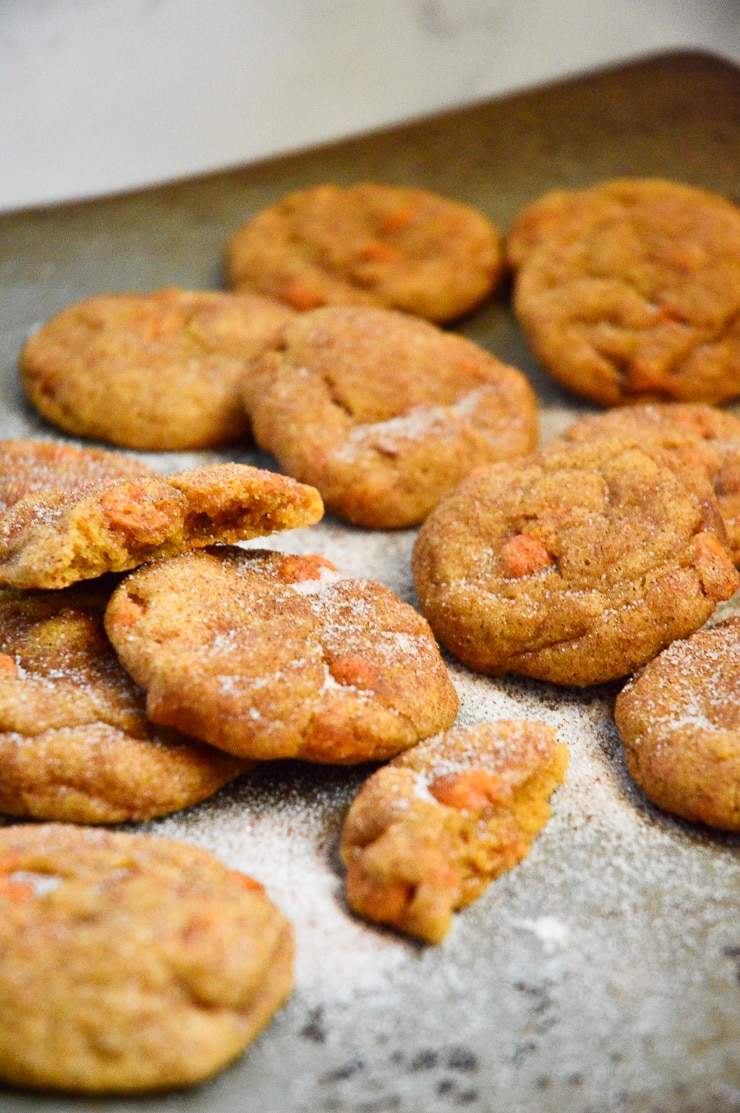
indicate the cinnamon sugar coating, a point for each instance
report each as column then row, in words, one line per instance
column 272, row 656
column 679, row 720
column 428, row 832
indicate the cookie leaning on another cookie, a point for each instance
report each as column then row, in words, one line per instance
column 129, row 963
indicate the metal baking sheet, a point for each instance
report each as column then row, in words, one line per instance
column 601, row 975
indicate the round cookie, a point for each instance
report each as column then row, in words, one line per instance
column 158, row 371
column 575, row 565
column 630, row 290
column 129, row 963
column 36, row 467
column 369, row 244
column 680, row 723
column 75, row 743
column 58, row 535
column 272, row 656
column 427, row 832
column 705, row 438
column 385, row 413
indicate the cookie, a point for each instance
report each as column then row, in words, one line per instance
column 158, row 371
column 428, row 832
column 385, row 413
column 129, row 963
column 575, row 565
column 679, row 720
column 630, row 290
column 58, row 535
column 369, row 244
column 75, row 743
column 705, row 438
column 272, row 656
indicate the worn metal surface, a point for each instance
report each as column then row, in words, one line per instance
column 600, row 976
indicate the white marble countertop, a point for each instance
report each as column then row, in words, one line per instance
column 98, row 96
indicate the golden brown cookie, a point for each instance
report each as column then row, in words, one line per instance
column 75, row 743
column 129, row 963
column 150, row 371
column 703, row 437
column 369, row 244
column 630, row 290
column 680, row 723
column 428, row 832
column 575, row 565
column 54, row 536
column 385, row 413
column 273, row 656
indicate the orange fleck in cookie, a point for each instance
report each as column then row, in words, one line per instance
column 385, row 413
column 428, row 832
column 575, row 565
column 75, row 743
column 631, row 290
column 272, row 656
column 129, row 963
column 369, row 244
column 64, row 531
column 704, row 438
column 680, row 723
column 155, row 371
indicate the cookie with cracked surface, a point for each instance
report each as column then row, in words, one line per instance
column 385, row 413
column 159, row 371
column 130, row 963
column 273, row 656
column 428, row 832
column 703, row 437
column 575, row 565
column 63, row 532
column 679, row 720
column 630, row 290
column 75, row 743
column 369, row 244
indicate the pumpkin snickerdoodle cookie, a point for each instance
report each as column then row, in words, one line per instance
column 75, row 743
column 630, row 290
column 129, row 963
column 385, row 413
column 680, row 723
column 369, row 244
column 272, row 656
column 429, row 831
column 159, row 371
column 67, row 515
column 575, row 565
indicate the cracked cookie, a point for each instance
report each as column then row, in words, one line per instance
column 62, row 524
column 369, row 244
column 630, row 290
column 273, row 656
column 679, row 720
column 575, row 565
column 385, row 413
column 158, row 371
column 427, row 833
column 130, row 963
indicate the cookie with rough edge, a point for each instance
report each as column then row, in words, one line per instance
column 427, row 833
column 385, row 413
column 159, row 371
column 273, row 656
column 129, row 963
column 630, row 290
column 58, row 535
column 75, row 743
column 705, row 438
column 369, row 244
column 575, row 565
column 679, row 719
